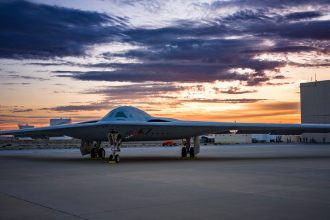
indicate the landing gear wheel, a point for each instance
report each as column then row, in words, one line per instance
column 93, row 153
column 110, row 158
column 101, row 153
column 184, row 152
column 114, row 159
column 192, row 152
column 117, row 158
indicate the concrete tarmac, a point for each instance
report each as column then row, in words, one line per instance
column 257, row 181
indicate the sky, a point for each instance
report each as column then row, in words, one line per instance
column 213, row 60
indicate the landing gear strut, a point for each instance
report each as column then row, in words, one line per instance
column 115, row 142
column 187, row 149
column 183, row 152
column 97, row 151
column 101, row 152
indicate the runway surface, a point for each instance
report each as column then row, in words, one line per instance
column 277, row 181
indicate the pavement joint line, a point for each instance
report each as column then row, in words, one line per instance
column 44, row 206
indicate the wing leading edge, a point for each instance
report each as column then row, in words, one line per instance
column 131, row 130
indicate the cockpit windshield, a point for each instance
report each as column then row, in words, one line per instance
column 126, row 113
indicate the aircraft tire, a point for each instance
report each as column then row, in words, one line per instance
column 93, row 153
column 184, row 152
column 192, row 152
column 117, row 158
column 101, row 153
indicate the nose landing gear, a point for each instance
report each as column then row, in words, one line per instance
column 115, row 142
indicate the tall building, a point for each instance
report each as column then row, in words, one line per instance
column 315, row 107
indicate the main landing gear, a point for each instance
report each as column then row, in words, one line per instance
column 97, row 152
column 115, row 142
column 187, row 149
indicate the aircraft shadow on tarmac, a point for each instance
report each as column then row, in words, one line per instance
column 159, row 159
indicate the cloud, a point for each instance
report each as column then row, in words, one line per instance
column 158, row 73
column 137, row 90
column 21, row 110
column 299, row 30
column 75, row 108
column 232, row 101
column 31, row 30
column 257, row 4
column 303, row 15
column 198, row 68
column 202, row 53
column 285, row 105
column 282, row 48
column 237, row 90
column 11, row 83
column 277, row 84
column 16, row 76
column 185, row 51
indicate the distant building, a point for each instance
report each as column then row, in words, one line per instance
column 246, row 138
column 291, row 138
column 232, row 138
column 315, row 108
column 265, row 138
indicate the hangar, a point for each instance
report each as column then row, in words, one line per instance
column 315, row 107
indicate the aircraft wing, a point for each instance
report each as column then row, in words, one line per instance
column 55, row 131
column 131, row 130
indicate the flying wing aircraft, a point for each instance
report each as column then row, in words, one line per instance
column 127, row 123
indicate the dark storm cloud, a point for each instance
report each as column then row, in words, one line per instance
column 175, row 73
column 287, row 49
column 317, row 30
column 303, row 15
column 31, row 30
column 262, row 23
column 195, row 53
column 190, row 60
column 264, row 3
column 166, row 73
column 185, row 51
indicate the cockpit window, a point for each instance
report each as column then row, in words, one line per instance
column 120, row 115
column 125, row 113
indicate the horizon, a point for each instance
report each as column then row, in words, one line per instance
column 208, row 60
